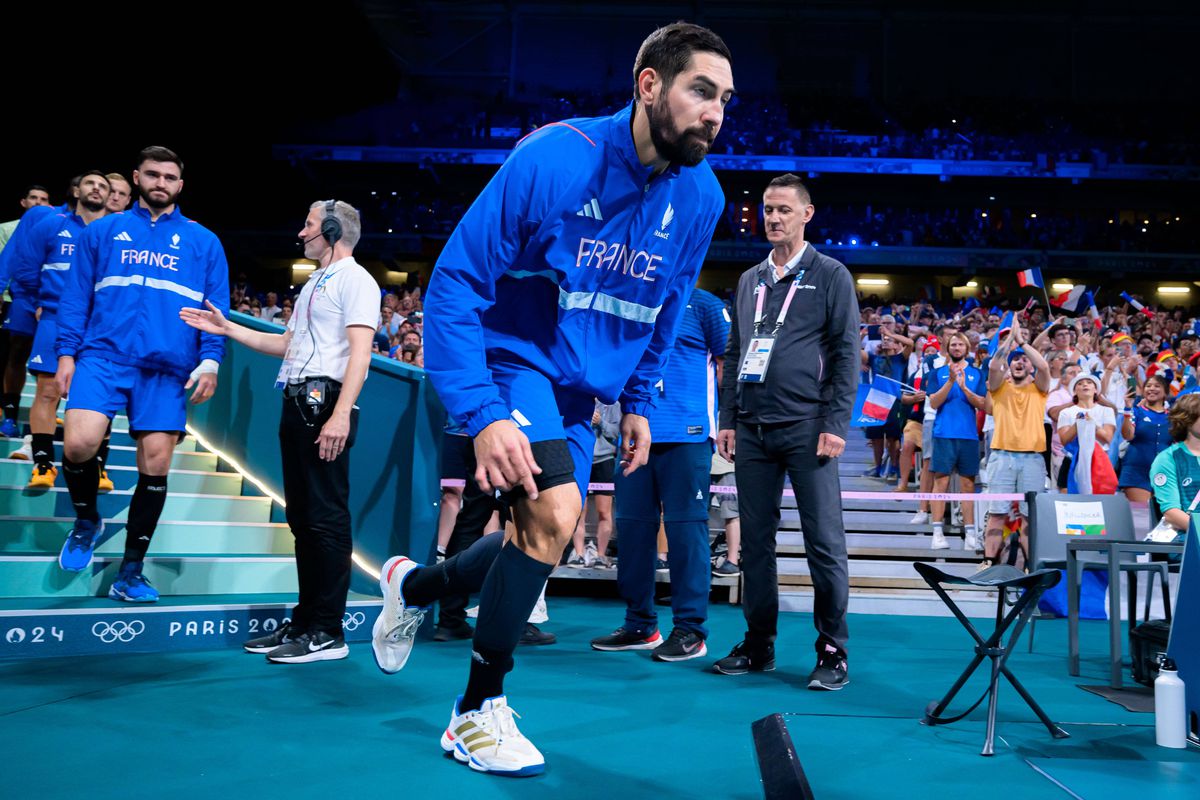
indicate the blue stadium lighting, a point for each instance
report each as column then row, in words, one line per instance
column 829, row 241
column 854, row 242
column 874, row 244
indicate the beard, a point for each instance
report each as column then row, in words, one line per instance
column 687, row 147
column 91, row 205
column 154, row 202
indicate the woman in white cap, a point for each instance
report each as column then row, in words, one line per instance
column 1084, row 427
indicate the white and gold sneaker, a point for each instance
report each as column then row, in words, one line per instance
column 487, row 740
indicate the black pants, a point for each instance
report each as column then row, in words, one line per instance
column 764, row 454
column 477, row 508
column 317, row 494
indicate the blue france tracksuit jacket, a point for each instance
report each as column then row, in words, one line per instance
column 24, row 282
column 48, row 253
column 574, row 261
column 129, row 280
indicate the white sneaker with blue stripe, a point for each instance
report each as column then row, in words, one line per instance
column 487, row 740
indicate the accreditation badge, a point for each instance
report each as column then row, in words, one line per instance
column 758, row 357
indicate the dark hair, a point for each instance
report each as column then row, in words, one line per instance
column 35, row 187
column 1161, row 381
column 79, row 178
column 1183, row 415
column 668, row 51
column 789, row 180
column 160, row 154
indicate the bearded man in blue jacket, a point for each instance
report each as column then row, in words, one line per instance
column 564, row 282
column 122, row 346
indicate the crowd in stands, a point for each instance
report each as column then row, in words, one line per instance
column 1095, row 414
column 841, row 127
column 994, row 226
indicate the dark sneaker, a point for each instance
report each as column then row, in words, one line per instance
column 742, row 659
column 873, row 472
column 680, row 646
column 317, row 646
column 534, row 635
column 623, row 639
column 726, row 570
column 662, row 567
column 453, row 633
column 830, row 673
column 265, row 644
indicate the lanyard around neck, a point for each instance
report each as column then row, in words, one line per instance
column 760, row 295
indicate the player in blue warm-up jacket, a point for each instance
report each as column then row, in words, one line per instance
column 564, row 282
column 46, row 255
column 122, row 346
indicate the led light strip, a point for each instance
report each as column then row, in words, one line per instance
column 362, row 564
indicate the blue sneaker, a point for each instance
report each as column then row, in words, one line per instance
column 131, row 585
column 873, row 472
column 81, row 541
column 9, row 428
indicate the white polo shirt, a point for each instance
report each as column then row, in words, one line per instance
column 335, row 297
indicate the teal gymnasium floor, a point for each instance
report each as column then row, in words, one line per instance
column 612, row 725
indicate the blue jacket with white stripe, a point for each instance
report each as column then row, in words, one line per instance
column 575, row 261
column 48, row 253
column 130, row 278
column 24, row 282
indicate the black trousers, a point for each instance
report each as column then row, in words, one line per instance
column 317, row 494
column 764, row 454
column 473, row 516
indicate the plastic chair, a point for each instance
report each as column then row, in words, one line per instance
column 1048, row 547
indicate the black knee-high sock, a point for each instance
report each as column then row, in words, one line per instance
column 509, row 593
column 144, row 511
column 462, row 573
column 43, row 448
column 102, row 453
column 81, row 484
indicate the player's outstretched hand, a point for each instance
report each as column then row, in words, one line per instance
column 505, row 459
column 211, row 321
column 635, row 442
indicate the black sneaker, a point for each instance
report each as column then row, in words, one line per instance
column 534, row 635
column 306, row 647
column 453, row 632
column 830, row 673
column 680, row 646
column 727, row 570
column 742, row 659
column 265, row 644
column 623, row 639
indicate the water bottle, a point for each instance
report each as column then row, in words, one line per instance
column 1170, row 726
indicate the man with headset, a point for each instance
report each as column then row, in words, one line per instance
column 326, row 351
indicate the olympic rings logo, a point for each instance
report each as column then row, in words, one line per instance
column 352, row 621
column 119, row 631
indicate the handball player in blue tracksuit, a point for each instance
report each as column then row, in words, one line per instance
column 122, row 346
column 564, row 282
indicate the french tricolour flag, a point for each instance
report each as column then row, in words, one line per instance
column 873, row 403
column 1031, row 277
column 1125, row 296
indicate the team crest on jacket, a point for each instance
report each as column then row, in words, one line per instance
column 668, row 218
column 174, row 242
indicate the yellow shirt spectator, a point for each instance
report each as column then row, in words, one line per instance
column 1019, row 412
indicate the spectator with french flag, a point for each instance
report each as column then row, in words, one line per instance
column 1086, row 430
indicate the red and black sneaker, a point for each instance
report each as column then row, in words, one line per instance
column 622, row 639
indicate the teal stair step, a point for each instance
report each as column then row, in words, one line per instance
column 45, row 627
column 120, row 432
column 17, row 501
column 126, row 455
column 16, row 473
column 38, row 575
column 46, row 535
